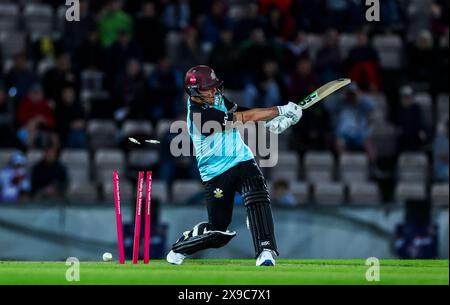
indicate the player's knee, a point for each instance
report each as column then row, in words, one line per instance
column 254, row 191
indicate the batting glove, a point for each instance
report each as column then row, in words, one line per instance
column 291, row 110
column 279, row 124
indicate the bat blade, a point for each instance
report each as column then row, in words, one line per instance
column 323, row 92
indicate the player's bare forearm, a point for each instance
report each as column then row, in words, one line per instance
column 256, row 114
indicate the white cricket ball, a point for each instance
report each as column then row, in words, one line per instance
column 107, row 257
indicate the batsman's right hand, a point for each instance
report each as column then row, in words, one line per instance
column 291, row 110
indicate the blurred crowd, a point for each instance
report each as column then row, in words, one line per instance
column 125, row 60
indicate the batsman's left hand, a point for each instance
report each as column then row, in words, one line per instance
column 279, row 124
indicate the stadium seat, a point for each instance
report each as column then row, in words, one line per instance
column 92, row 80
column 236, row 12
column 286, row 168
column 75, row 157
column 173, row 40
column 106, row 161
column 277, row 173
column 380, row 112
column 38, row 18
column 133, row 127
column 442, row 106
column 440, row 194
column 61, row 18
column 12, row 42
column 346, row 43
column 5, row 155
column 162, row 128
column 412, row 167
column 102, row 134
column 82, row 192
column 300, row 191
column 34, row 156
column 127, row 191
column 9, row 16
column 160, row 191
column 315, row 43
column 410, row 191
column 184, row 190
column 318, row 166
column 77, row 164
column 390, row 49
column 328, row 193
column 353, row 167
column 364, row 193
column 423, row 99
column 143, row 159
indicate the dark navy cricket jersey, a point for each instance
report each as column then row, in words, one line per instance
column 218, row 146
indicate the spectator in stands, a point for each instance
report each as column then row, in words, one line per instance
column 254, row 53
column 58, row 77
column 441, row 153
column 7, row 117
column 295, row 49
column 267, row 91
column 282, row 194
column 314, row 133
column 15, row 179
column 329, row 59
column 352, row 113
column 302, row 81
column 91, row 54
column 112, row 21
column 440, row 17
column 214, row 22
column 412, row 133
column 224, row 58
column 36, row 119
column 188, row 53
column 363, row 65
column 422, row 62
column 124, row 49
column 75, row 32
column 309, row 15
column 176, row 14
column 280, row 24
column 150, row 33
column 20, row 78
column 131, row 91
column 70, row 119
column 49, row 177
column 165, row 83
column 252, row 19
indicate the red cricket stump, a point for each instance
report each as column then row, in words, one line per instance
column 148, row 194
column 137, row 220
column 120, row 244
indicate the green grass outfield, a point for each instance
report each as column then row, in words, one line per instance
column 307, row 271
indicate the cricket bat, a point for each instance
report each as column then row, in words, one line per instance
column 323, row 92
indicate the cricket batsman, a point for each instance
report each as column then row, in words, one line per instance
column 224, row 174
